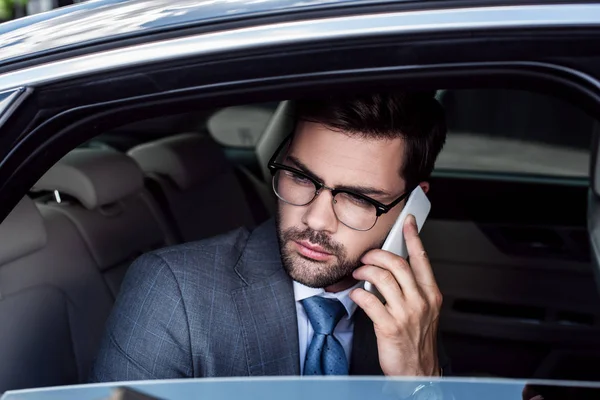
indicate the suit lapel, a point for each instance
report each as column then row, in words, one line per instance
column 364, row 359
column 266, row 307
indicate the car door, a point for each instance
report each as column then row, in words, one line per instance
column 517, row 280
column 508, row 237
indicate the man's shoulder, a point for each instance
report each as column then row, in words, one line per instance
column 229, row 243
column 167, row 293
column 215, row 263
column 206, row 255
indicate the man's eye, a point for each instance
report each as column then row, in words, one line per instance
column 299, row 179
column 359, row 201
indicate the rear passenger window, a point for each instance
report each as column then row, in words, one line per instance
column 240, row 126
column 512, row 131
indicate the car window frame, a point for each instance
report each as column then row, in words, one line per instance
column 298, row 74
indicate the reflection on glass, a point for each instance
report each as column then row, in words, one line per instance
column 122, row 393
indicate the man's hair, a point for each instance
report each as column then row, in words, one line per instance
column 417, row 117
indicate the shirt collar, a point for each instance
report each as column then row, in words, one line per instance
column 302, row 292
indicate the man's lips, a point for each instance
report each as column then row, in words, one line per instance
column 312, row 251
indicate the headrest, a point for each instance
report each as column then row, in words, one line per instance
column 22, row 232
column 187, row 159
column 239, row 125
column 95, row 177
column 279, row 127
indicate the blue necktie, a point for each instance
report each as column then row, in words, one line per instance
column 325, row 354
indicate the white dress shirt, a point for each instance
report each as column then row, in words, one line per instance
column 342, row 332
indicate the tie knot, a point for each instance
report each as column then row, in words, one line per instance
column 324, row 314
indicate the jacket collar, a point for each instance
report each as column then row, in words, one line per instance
column 266, row 306
column 261, row 257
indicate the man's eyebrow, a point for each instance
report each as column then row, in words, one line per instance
column 302, row 167
column 364, row 190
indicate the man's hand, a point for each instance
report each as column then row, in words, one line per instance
column 406, row 326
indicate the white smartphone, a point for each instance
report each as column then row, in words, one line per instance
column 418, row 205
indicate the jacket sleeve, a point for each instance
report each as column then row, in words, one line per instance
column 147, row 334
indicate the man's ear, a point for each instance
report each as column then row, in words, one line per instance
column 425, row 186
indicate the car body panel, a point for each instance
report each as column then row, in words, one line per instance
column 345, row 27
column 87, row 22
column 457, row 263
column 292, row 388
column 10, row 100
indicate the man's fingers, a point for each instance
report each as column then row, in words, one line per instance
column 419, row 261
column 374, row 308
column 397, row 266
column 384, row 281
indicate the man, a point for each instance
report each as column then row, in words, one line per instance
column 286, row 298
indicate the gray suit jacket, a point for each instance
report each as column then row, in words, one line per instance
column 218, row 307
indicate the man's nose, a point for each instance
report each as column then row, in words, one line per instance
column 319, row 214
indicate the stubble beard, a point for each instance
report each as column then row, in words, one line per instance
column 313, row 273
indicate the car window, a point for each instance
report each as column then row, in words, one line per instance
column 513, row 131
column 195, row 190
column 231, row 127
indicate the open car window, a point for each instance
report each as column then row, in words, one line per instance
column 517, row 132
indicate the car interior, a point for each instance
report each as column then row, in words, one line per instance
column 507, row 233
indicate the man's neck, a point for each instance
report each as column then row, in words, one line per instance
column 341, row 286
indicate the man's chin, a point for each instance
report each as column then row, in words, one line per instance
column 312, row 273
column 313, row 261
column 322, row 283
column 316, row 283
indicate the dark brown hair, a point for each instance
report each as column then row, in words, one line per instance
column 417, row 117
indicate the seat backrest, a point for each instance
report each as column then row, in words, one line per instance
column 200, row 188
column 102, row 192
column 53, row 300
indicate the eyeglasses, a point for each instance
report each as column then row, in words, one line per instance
column 355, row 210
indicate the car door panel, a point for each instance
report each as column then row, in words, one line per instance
column 516, row 289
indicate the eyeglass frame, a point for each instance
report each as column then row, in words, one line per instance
column 380, row 208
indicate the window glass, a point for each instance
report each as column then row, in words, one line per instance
column 516, row 132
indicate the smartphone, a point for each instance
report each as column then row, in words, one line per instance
column 418, row 205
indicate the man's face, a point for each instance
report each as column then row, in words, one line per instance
column 317, row 249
